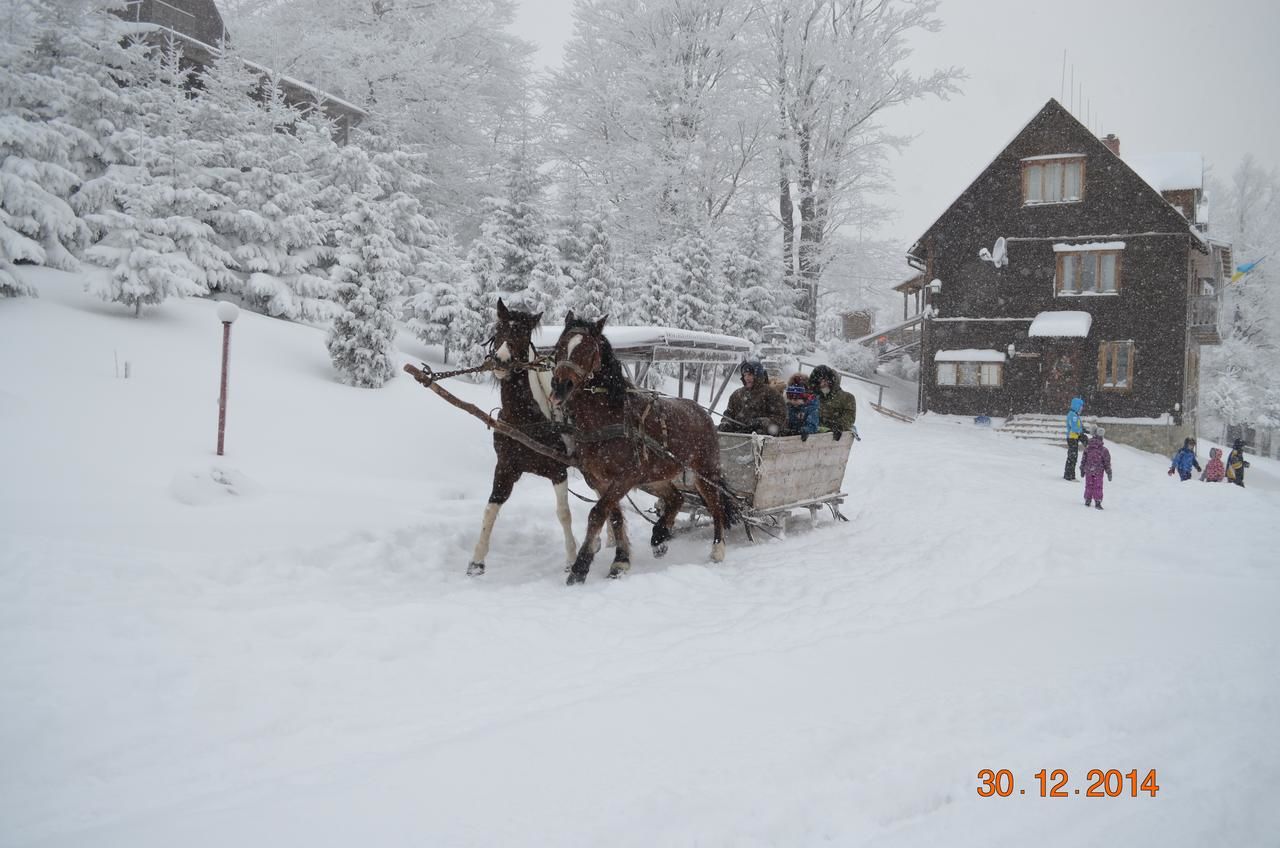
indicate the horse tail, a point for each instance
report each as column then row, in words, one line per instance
column 729, row 504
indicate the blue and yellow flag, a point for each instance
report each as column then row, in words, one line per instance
column 1241, row 270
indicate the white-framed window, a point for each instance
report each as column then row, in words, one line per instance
column 971, row 374
column 1115, row 366
column 1057, row 178
column 1088, row 272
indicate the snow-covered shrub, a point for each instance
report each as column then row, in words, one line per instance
column 904, row 367
column 854, row 358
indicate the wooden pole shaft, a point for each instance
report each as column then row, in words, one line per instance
column 222, row 395
column 501, row 426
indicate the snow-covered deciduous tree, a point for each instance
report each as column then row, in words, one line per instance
column 446, row 77
column 654, row 111
column 832, row 68
column 1241, row 377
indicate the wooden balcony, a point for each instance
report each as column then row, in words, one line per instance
column 1202, row 319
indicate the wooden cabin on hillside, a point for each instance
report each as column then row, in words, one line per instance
column 198, row 26
column 1066, row 270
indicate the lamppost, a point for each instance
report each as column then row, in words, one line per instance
column 227, row 314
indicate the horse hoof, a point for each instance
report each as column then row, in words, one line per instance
column 717, row 552
column 475, row 569
column 659, row 551
column 618, row 569
column 575, row 578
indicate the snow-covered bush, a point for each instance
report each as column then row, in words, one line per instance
column 854, row 358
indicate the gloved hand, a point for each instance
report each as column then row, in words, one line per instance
column 761, row 425
column 837, row 434
column 1170, row 472
column 1108, row 476
column 804, row 437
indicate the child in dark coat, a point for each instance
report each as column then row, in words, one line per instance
column 1184, row 460
column 1095, row 462
column 1236, row 463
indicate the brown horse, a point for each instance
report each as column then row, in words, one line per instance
column 526, row 405
column 625, row 437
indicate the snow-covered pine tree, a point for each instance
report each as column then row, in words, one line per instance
column 594, row 292
column 697, row 297
column 158, row 241
column 513, row 258
column 657, row 301
column 368, row 270
column 749, row 288
column 436, row 313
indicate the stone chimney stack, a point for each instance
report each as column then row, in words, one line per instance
column 1112, row 143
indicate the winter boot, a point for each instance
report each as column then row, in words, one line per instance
column 1088, row 501
column 1098, row 505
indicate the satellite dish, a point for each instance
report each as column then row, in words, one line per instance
column 1000, row 254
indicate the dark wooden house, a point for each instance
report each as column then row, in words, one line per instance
column 198, row 26
column 1061, row 271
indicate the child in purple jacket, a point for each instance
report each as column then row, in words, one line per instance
column 1096, row 461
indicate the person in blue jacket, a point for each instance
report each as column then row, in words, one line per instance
column 1184, row 460
column 802, row 408
column 1075, row 438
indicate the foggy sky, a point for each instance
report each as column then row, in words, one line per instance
column 1174, row 75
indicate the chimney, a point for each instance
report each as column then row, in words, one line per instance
column 1112, row 143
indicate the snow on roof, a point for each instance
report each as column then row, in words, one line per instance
column 969, row 355
column 624, row 337
column 1062, row 323
column 1048, row 156
column 1062, row 247
column 1169, row 171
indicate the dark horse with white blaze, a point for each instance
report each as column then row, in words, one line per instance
column 526, row 405
column 625, row 437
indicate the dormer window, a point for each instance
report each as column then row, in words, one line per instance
column 1056, row 178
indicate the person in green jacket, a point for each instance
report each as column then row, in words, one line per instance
column 837, row 409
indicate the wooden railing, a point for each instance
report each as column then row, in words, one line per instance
column 1202, row 310
column 1202, row 318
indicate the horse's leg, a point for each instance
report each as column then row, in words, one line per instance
column 672, row 499
column 606, row 505
column 710, row 494
column 503, row 482
column 622, row 556
column 566, row 520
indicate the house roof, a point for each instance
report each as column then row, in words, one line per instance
column 1169, row 171
column 911, row 285
column 1087, row 139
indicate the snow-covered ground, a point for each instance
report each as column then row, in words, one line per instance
column 280, row 647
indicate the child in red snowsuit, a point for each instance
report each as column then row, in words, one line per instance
column 1095, row 462
column 1214, row 470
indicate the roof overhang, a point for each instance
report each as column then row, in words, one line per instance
column 1062, row 324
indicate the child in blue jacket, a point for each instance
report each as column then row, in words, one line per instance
column 1184, row 460
column 802, row 408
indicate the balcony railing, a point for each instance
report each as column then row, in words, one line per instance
column 1202, row 318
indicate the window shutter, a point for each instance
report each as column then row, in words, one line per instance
column 1133, row 363
column 1102, row 365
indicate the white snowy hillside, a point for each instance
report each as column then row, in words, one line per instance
column 280, row 647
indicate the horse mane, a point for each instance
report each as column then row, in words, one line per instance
column 610, row 375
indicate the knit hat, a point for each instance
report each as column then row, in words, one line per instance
column 1099, row 432
column 794, row 391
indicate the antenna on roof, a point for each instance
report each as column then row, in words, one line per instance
column 1062, row 85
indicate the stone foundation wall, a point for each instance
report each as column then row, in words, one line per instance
column 1164, row 439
